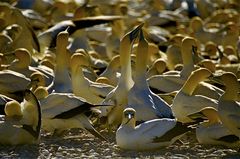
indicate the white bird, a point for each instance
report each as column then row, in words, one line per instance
column 111, row 72
column 93, row 92
column 216, row 134
column 22, row 122
column 151, row 134
column 12, row 84
column 62, row 82
column 186, row 104
column 118, row 96
column 146, row 104
column 228, row 106
column 63, row 111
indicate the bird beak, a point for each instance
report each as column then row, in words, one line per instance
column 134, row 33
column 129, row 117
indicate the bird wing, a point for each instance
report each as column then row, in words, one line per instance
column 235, row 120
column 162, row 108
column 57, row 103
column 172, row 132
column 101, row 90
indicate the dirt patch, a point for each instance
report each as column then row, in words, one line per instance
column 79, row 144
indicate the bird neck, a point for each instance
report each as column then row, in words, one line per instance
column 61, row 68
column 231, row 92
column 61, row 57
column 78, row 80
column 61, row 50
column 130, row 124
column 192, row 82
column 188, row 64
column 141, row 61
column 125, row 61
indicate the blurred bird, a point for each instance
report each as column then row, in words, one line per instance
column 216, row 134
column 48, row 38
column 62, row 81
column 14, row 16
column 228, row 106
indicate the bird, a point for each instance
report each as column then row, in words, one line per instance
column 112, row 70
column 3, row 100
column 38, row 80
column 228, row 105
column 149, row 135
column 158, row 67
column 118, row 96
column 22, row 122
column 62, row 81
column 41, row 92
column 22, row 64
column 12, row 84
column 140, row 97
column 37, row 21
column 192, row 9
column 227, row 35
column 186, row 104
column 113, row 40
column 15, row 16
column 93, row 92
column 169, row 83
column 216, row 134
column 203, row 34
column 63, row 111
column 173, row 51
column 48, row 38
column 13, row 110
column 37, row 5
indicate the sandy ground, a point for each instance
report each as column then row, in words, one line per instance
column 79, row 144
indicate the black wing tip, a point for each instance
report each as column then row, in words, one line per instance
column 229, row 139
column 38, row 127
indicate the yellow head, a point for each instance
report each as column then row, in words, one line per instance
column 41, row 92
column 129, row 117
column 13, row 109
column 78, row 59
column 37, row 79
column 23, row 58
